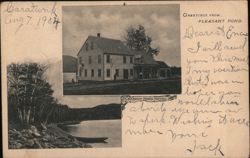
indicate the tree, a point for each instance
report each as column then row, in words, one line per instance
column 28, row 92
column 136, row 39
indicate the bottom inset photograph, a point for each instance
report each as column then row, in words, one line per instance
column 37, row 119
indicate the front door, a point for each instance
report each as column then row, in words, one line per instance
column 125, row 74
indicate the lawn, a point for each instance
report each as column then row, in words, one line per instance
column 172, row 86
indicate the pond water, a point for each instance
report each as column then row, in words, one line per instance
column 98, row 128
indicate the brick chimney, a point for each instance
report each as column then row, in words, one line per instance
column 98, row 34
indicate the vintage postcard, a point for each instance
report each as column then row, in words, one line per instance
column 125, row 79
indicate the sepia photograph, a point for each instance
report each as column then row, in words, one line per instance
column 37, row 119
column 125, row 49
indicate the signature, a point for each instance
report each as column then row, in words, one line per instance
column 214, row 148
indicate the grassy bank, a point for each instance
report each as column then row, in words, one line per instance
column 172, row 86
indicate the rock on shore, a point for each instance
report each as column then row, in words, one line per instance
column 42, row 136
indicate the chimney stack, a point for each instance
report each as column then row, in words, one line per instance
column 98, row 34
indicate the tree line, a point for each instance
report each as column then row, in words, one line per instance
column 31, row 101
column 29, row 94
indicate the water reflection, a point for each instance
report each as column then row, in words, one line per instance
column 98, row 128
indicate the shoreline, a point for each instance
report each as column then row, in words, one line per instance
column 82, row 139
column 79, row 122
column 42, row 137
column 68, row 123
column 49, row 136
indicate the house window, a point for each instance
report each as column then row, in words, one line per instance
column 108, row 59
column 99, row 59
column 131, row 72
column 92, row 73
column 108, row 72
column 124, row 59
column 87, row 46
column 80, row 71
column 86, row 73
column 137, row 60
column 99, row 72
column 80, row 60
column 162, row 73
column 90, row 60
column 92, row 46
column 117, row 72
column 131, row 60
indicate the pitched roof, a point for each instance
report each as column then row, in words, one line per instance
column 162, row 64
column 146, row 58
column 112, row 46
column 69, row 63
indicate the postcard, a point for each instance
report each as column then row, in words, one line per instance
column 125, row 79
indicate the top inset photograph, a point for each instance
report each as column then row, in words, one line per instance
column 121, row 49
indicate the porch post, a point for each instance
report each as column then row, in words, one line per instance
column 151, row 73
column 142, row 70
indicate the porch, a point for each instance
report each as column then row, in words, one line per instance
column 145, row 72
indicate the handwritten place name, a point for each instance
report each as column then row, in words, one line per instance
column 31, row 15
column 31, row 8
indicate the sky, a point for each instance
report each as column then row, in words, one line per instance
column 161, row 22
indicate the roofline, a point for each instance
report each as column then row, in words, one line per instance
column 119, row 54
column 164, row 68
column 145, row 64
column 82, row 46
column 104, row 53
column 159, row 61
column 105, row 38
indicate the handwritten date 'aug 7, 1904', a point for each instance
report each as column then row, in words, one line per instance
column 31, row 15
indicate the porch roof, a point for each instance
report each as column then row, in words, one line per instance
column 145, row 59
column 162, row 64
